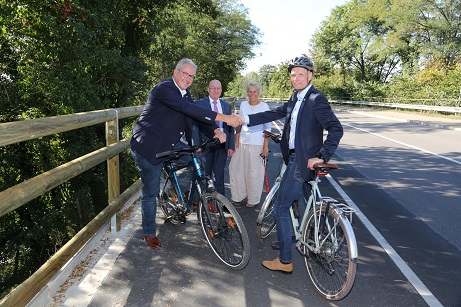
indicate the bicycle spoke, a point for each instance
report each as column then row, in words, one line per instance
column 223, row 229
column 332, row 271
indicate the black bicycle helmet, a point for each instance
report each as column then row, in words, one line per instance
column 301, row 61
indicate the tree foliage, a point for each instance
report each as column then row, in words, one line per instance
column 62, row 56
column 384, row 49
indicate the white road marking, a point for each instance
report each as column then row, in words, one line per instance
column 419, row 286
column 405, row 144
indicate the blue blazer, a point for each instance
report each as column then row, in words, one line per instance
column 164, row 119
column 314, row 116
column 198, row 136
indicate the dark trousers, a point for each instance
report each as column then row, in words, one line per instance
column 216, row 159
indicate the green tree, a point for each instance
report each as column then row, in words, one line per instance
column 353, row 40
column 433, row 25
column 67, row 56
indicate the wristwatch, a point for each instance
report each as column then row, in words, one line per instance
column 320, row 156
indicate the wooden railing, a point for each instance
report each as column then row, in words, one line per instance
column 20, row 194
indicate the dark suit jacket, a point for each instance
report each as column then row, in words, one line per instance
column 314, row 116
column 164, row 119
column 199, row 135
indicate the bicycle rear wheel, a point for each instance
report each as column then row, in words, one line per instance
column 265, row 223
column 168, row 198
column 224, row 230
column 332, row 270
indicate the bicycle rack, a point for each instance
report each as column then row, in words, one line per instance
column 343, row 209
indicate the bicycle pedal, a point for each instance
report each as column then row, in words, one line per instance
column 182, row 219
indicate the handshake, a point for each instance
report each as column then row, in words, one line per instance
column 233, row 120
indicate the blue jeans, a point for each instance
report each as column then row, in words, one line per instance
column 290, row 187
column 150, row 177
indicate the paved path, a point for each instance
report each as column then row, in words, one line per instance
column 124, row 271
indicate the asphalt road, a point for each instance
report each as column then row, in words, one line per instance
column 404, row 179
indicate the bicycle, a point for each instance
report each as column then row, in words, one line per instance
column 324, row 237
column 220, row 222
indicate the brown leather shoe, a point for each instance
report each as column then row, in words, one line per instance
column 276, row 265
column 152, row 241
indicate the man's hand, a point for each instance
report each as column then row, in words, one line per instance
column 220, row 135
column 230, row 152
column 312, row 161
column 233, row 120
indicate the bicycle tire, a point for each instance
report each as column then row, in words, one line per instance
column 332, row 271
column 168, row 198
column 265, row 222
column 230, row 243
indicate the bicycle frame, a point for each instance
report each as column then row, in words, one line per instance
column 172, row 168
column 323, row 234
column 344, row 212
column 220, row 222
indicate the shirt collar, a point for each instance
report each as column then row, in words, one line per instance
column 303, row 92
column 183, row 92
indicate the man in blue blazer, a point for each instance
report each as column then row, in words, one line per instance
column 165, row 123
column 307, row 114
column 216, row 156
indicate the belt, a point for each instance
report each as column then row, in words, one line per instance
column 291, row 152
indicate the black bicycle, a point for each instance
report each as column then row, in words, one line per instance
column 220, row 222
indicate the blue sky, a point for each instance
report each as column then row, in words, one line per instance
column 287, row 26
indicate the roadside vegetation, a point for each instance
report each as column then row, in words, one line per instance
column 405, row 51
column 61, row 57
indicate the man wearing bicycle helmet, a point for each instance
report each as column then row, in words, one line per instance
column 307, row 114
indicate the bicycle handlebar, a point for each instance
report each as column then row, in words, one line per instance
column 275, row 137
column 317, row 166
column 184, row 151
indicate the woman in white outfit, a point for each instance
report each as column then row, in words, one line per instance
column 246, row 168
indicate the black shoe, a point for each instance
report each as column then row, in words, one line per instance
column 236, row 203
column 275, row 245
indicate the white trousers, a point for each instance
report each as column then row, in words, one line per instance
column 246, row 173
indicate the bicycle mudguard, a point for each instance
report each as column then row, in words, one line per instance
column 349, row 231
column 269, row 197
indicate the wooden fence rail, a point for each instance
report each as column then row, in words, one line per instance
column 20, row 194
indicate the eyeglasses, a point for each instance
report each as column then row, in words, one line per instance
column 214, row 88
column 186, row 75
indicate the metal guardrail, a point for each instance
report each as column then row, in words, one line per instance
column 392, row 105
column 416, row 107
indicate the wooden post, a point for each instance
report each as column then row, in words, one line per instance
column 113, row 170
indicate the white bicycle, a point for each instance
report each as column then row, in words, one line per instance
column 324, row 237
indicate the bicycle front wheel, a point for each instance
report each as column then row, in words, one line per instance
column 224, row 230
column 332, row 270
column 265, row 223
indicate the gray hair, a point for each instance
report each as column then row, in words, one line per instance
column 185, row 61
column 255, row 84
